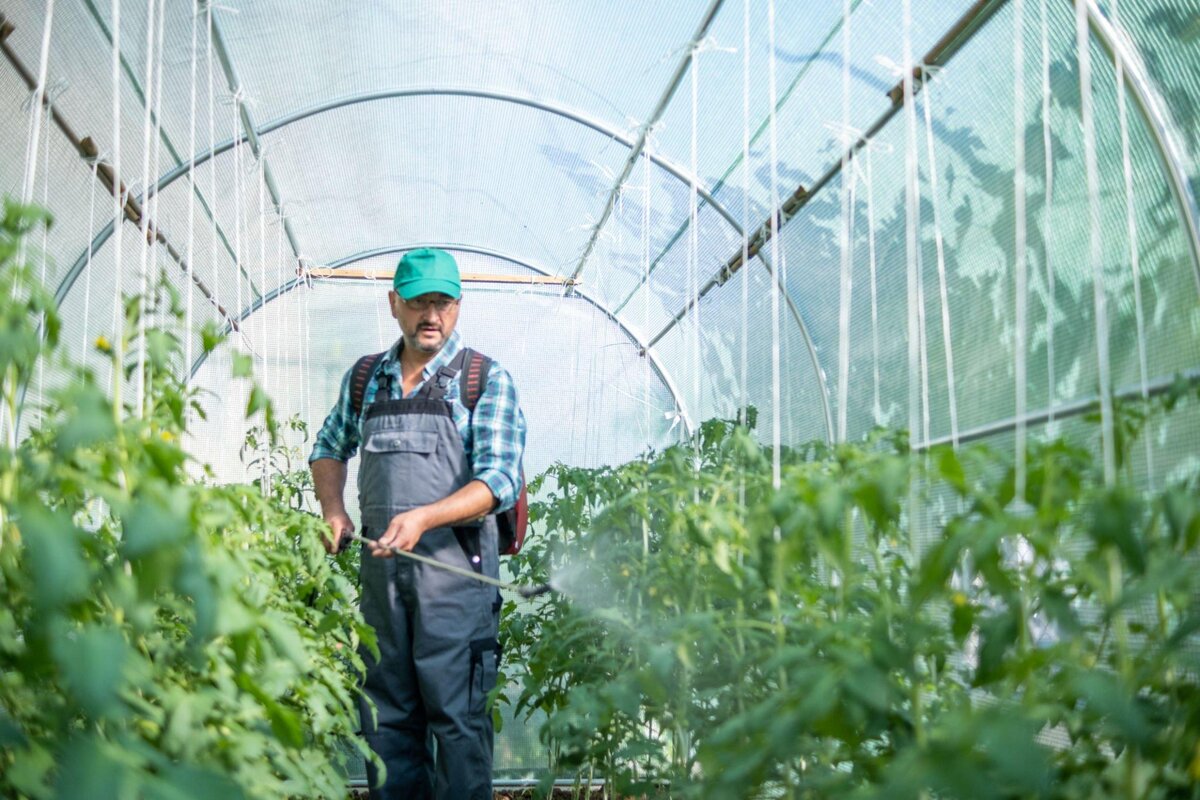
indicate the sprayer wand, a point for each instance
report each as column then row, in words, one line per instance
column 524, row 591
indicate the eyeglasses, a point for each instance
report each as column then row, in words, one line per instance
column 438, row 304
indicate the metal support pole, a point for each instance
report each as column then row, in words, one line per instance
column 112, row 182
column 958, row 35
column 634, row 154
column 235, row 86
column 1153, row 110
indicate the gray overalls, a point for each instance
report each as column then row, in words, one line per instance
column 437, row 631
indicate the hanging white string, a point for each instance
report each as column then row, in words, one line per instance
column 42, row 256
column 306, row 350
column 35, row 119
column 214, row 256
column 846, row 234
column 1132, row 233
column 263, row 311
column 237, row 199
column 693, row 254
column 281, row 320
column 87, row 269
column 744, row 382
column 152, row 311
column 118, row 211
column 646, row 280
column 260, row 177
column 1019, row 214
column 143, row 222
column 776, row 393
column 922, row 327
column 935, row 200
column 876, row 408
column 911, row 199
column 1095, row 243
column 1047, row 208
column 191, row 226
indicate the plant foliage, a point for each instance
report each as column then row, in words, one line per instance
column 160, row 636
column 719, row 635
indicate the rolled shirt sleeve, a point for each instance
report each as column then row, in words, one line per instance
column 498, row 438
column 338, row 437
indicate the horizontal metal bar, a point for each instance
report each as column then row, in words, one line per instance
column 351, row 273
column 1073, row 409
column 655, row 364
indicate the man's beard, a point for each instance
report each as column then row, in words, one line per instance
column 417, row 344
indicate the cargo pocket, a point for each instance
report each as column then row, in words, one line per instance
column 391, row 441
column 485, row 662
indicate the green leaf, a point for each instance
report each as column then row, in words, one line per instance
column 243, row 365
column 1110, row 700
column 962, row 618
column 951, row 470
column 60, row 574
column 183, row 782
column 30, row 771
column 286, row 640
column 997, row 633
column 92, row 661
column 89, row 769
column 157, row 520
column 1115, row 519
column 89, row 418
column 211, row 335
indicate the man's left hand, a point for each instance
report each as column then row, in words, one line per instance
column 402, row 532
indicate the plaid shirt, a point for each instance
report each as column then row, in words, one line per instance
column 494, row 436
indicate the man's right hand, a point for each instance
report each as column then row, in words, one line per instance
column 340, row 527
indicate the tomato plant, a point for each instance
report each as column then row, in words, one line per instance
column 718, row 636
column 161, row 636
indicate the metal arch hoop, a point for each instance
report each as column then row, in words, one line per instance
column 1151, row 106
column 663, row 375
column 674, row 170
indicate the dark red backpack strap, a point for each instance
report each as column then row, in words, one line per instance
column 474, row 377
column 360, row 376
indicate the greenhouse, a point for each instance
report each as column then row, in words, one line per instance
column 848, row 354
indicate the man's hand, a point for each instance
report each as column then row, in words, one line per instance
column 402, row 532
column 340, row 526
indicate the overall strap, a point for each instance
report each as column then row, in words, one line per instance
column 436, row 387
column 359, row 378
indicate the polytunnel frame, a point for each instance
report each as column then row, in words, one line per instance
column 279, row 291
column 169, row 177
column 1150, row 105
column 1147, row 99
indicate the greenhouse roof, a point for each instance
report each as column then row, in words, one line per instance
column 605, row 146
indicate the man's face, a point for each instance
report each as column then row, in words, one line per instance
column 426, row 321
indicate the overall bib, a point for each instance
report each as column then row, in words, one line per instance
column 436, row 630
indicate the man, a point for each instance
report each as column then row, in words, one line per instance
column 430, row 470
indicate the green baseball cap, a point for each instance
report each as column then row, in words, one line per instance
column 427, row 270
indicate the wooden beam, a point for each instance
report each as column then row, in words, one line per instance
column 354, row 273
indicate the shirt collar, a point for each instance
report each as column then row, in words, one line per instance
column 444, row 356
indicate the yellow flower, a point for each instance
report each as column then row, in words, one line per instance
column 167, row 436
column 103, row 345
column 959, row 599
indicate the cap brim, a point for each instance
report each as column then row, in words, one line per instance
column 410, row 289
